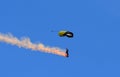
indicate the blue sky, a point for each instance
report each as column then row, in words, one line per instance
column 94, row 50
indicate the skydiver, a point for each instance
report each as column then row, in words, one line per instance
column 67, row 54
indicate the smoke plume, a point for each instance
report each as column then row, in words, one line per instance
column 26, row 43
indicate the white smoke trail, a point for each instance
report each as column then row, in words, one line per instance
column 26, row 43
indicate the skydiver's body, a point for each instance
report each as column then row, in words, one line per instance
column 67, row 54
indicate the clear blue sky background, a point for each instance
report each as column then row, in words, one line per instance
column 94, row 50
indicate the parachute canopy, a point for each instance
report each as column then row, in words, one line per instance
column 65, row 33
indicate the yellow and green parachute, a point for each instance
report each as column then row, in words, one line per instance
column 65, row 33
